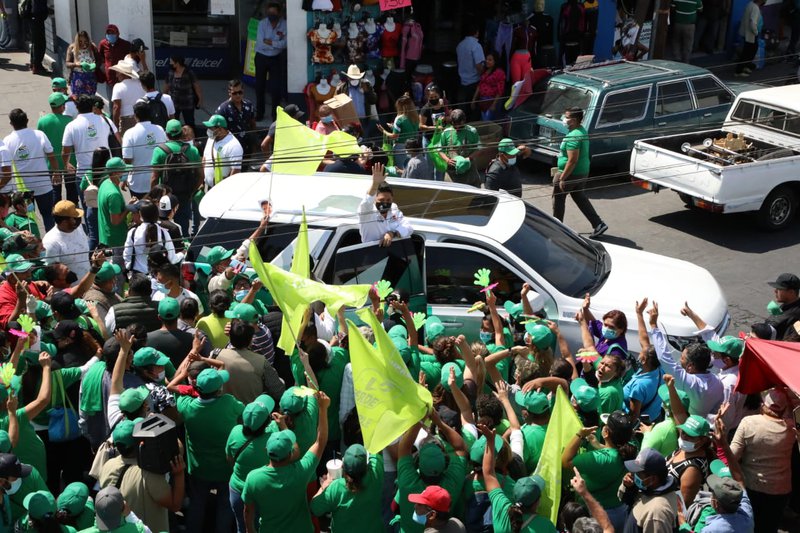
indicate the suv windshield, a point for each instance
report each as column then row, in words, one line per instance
column 560, row 96
column 571, row 264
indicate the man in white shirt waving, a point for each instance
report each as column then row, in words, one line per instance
column 138, row 144
column 222, row 156
column 379, row 217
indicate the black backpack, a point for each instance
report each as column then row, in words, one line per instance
column 158, row 110
column 178, row 173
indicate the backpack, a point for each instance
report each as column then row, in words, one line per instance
column 178, row 174
column 158, row 110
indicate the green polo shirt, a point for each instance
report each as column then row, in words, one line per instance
column 686, row 11
column 110, row 202
column 502, row 523
column 533, row 440
column 610, row 396
column 250, row 458
column 53, row 126
column 603, row 471
column 409, row 482
column 576, row 139
column 330, row 382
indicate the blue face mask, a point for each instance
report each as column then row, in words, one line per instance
column 110, row 37
column 327, row 120
column 15, row 485
column 638, row 482
column 609, row 333
column 485, row 336
column 160, row 287
column 421, row 519
column 239, row 295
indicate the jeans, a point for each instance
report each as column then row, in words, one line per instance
column 38, row 41
column 183, row 216
column 767, row 510
column 45, row 204
column 574, row 186
column 66, row 461
column 617, row 516
column 91, row 227
column 465, row 94
column 389, row 490
column 71, row 185
column 400, row 155
column 199, row 494
column 196, row 218
column 746, row 57
column 682, row 42
column 275, row 66
column 237, row 505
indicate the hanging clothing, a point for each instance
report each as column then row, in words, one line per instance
column 322, row 46
column 411, row 48
column 319, row 98
column 502, row 43
column 390, row 42
column 373, row 44
column 524, row 38
column 322, row 5
column 356, row 47
column 520, row 65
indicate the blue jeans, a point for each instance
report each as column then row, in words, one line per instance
column 200, row 493
column 196, row 218
column 183, row 216
column 91, row 227
column 45, row 204
column 237, row 505
column 617, row 516
column 389, row 490
column 400, row 155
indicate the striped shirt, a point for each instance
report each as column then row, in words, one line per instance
column 686, row 11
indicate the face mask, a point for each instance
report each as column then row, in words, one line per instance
column 485, row 336
column 239, row 296
column 609, row 333
column 383, row 207
column 565, row 121
column 638, row 482
column 355, row 83
column 72, row 277
column 210, row 134
column 123, row 178
column 433, row 101
column 421, row 519
column 110, row 37
column 15, row 485
column 686, row 445
column 774, row 308
column 604, row 379
column 160, row 287
column 173, row 67
column 161, row 375
column 511, row 161
column 527, row 338
column 718, row 363
column 31, row 208
column 272, row 17
column 327, row 120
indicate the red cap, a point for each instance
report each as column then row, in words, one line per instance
column 112, row 29
column 434, row 497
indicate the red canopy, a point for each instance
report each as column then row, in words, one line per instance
column 767, row 364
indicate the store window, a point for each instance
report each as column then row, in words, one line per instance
column 180, row 6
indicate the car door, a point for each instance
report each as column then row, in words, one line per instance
column 675, row 110
column 622, row 118
column 713, row 100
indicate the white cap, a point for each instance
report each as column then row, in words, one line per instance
column 165, row 204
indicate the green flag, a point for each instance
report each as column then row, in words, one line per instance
column 388, row 399
column 301, row 265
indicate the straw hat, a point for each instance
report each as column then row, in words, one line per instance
column 354, row 73
column 126, row 68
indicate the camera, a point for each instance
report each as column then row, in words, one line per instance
column 108, row 252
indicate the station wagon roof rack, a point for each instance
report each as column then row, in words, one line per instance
column 635, row 70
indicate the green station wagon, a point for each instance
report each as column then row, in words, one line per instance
column 623, row 101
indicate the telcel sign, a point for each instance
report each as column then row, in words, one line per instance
column 205, row 62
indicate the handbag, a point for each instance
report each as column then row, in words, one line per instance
column 63, row 424
column 113, row 142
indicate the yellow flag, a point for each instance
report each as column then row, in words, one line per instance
column 564, row 424
column 293, row 293
column 299, row 149
column 301, row 265
column 388, row 399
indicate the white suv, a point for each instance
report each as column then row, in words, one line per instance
column 458, row 230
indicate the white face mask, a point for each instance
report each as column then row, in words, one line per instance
column 355, row 83
column 603, row 379
column 565, row 121
column 511, row 161
column 686, row 445
column 718, row 363
column 15, row 485
column 161, row 376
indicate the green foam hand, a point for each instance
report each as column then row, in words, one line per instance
column 482, row 277
column 26, row 322
column 383, row 288
column 419, row 320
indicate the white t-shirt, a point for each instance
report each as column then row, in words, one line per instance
column 72, row 249
column 70, row 109
column 138, row 144
column 85, row 134
column 135, row 252
column 167, row 99
column 27, row 148
column 128, row 91
column 185, row 293
column 5, row 161
column 226, row 153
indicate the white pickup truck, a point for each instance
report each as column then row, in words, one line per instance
column 751, row 164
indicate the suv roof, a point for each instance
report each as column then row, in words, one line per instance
column 620, row 73
column 331, row 200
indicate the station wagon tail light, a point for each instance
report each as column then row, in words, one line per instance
column 708, row 206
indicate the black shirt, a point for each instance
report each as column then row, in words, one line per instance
column 508, row 178
column 784, row 322
column 175, row 344
column 346, row 166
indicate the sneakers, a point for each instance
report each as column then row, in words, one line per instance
column 599, row 230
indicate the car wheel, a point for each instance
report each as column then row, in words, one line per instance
column 687, row 200
column 778, row 209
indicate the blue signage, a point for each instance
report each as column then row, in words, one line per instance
column 205, row 62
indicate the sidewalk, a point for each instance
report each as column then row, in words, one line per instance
column 21, row 89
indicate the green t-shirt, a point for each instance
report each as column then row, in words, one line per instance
column 30, row 448
column 160, row 157
column 330, row 382
column 32, row 483
column 409, row 482
column 610, row 396
column 279, row 495
column 533, row 438
column 603, row 471
column 502, row 524
column 53, row 126
column 69, row 377
column 662, row 438
column 22, row 223
column 250, row 458
column 576, row 139
column 405, row 129
column 110, row 202
column 462, row 142
column 208, row 424
column 354, row 511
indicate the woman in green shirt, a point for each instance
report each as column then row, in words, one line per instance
column 404, row 127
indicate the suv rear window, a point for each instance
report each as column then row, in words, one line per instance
column 560, row 97
column 447, row 206
column 624, row 106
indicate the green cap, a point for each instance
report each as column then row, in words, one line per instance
column 169, row 309
column 217, row 254
column 57, row 99
column 257, row 412
column 718, row 468
column 5, row 233
column 280, row 445
column 123, row 433
column 431, row 460
column 43, row 310
column 173, row 127
column 462, row 164
column 292, row 403
column 216, row 121
column 58, row 83
column 513, row 310
column 355, row 460
column 695, row 426
column 82, row 306
column 244, row 312
column 211, row 380
column 107, row 271
column 17, row 263
column 402, row 347
column 399, row 330
column 131, row 400
column 446, row 376
column 534, row 402
column 39, row 504
column 586, row 396
column 774, row 308
column 73, row 498
column 5, row 442
column 117, row 163
column 663, row 393
column 479, row 447
column 48, row 347
column 528, row 490
column 433, row 328
column 728, row 345
column 149, row 356
column 541, row 336
column 506, row 146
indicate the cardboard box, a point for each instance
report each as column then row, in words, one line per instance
column 343, row 109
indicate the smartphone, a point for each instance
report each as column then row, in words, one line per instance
column 645, row 419
column 237, row 266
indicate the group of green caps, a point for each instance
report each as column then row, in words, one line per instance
column 72, row 500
